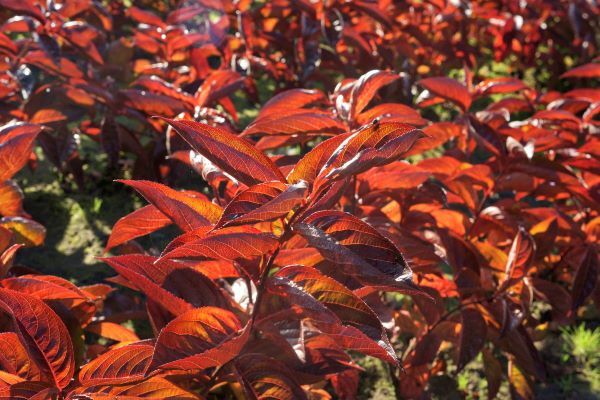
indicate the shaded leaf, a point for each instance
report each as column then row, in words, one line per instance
column 357, row 247
column 267, row 378
column 472, row 336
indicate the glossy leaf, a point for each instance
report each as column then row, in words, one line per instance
column 357, row 247
column 374, row 145
column 16, row 143
column 263, row 202
column 119, row 365
column 38, row 325
column 186, row 210
column 366, row 87
column 198, row 339
column 232, row 154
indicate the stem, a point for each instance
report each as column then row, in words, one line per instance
column 455, row 309
column 392, row 371
column 267, row 268
column 261, row 284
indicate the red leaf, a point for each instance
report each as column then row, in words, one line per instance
column 290, row 100
column 225, row 245
column 591, row 70
column 112, row 331
column 28, row 390
column 263, row 202
column 265, row 378
column 310, row 165
column 11, row 199
column 366, row 87
column 135, row 268
column 448, row 89
column 498, row 85
column 116, row 366
column 16, row 143
column 151, row 103
column 231, row 153
column 141, row 222
column 50, row 288
column 472, row 336
column 361, row 330
column 301, row 123
column 14, row 358
column 586, row 278
column 520, row 256
column 152, row 389
column 199, row 339
column 26, row 232
column 374, row 145
column 186, row 210
column 46, row 337
column 359, row 248
column 27, row 7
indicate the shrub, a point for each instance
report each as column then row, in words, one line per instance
column 339, row 223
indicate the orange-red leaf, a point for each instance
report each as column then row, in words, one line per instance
column 374, row 145
column 301, row 123
column 184, row 209
column 119, row 365
column 198, row 339
column 135, row 268
column 290, row 100
column 590, row 70
column 45, row 334
column 449, row 89
column 358, row 327
column 16, row 142
column 26, row 231
column 14, row 358
column 152, row 389
column 234, row 155
column 113, row 331
column 263, row 202
column 11, row 199
column 366, row 87
column 141, row 222
column 225, row 245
